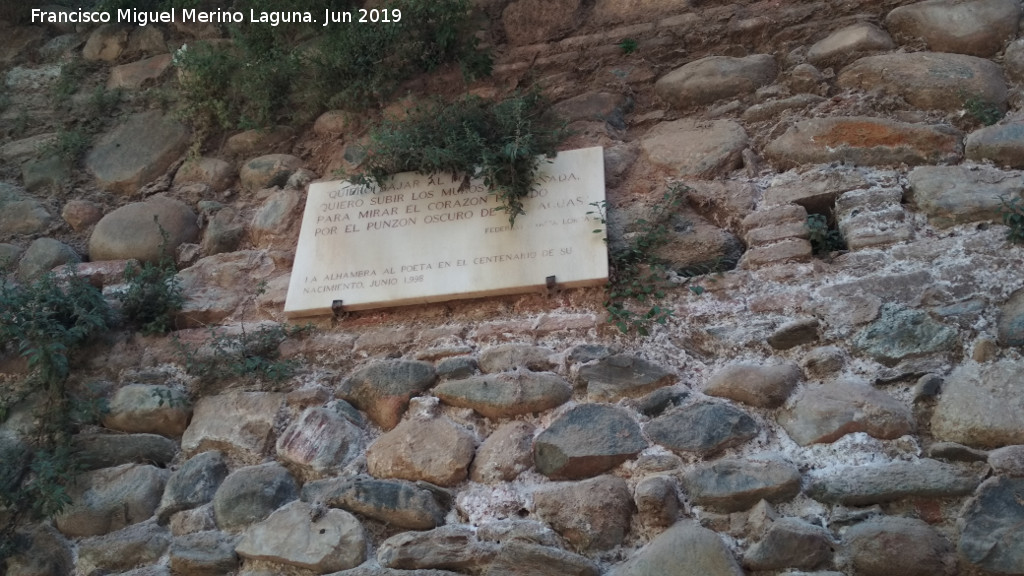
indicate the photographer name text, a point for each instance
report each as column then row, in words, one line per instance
column 219, row 16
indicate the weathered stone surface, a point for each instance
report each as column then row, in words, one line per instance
column 604, row 106
column 520, row 530
column 333, row 541
column 223, row 233
column 531, row 21
column 47, row 553
column 992, row 526
column 14, row 453
column 586, row 441
column 775, row 108
column 139, row 544
column 110, row 499
column 901, row 333
column 873, row 484
column 795, row 333
column 80, row 214
column 791, row 543
column 789, row 250
column 275, row 218
column 96, row 451
column 1013, row 62
column 216, row 285
column 250, row 494
column 452, row 547
column 9, row 255
column 1002, row 144
column 42, row 256
column 394, row 502
column 214, row 172
column 106, row 43
column 332, row 123
column 321, row 441
column 864, row 141
column 657, row 402
column 134, row 230
column 506, row 394
column 194, row 484
column 979, row 27
column 687, row 148
column 505, row 454
column 383, row 389
column 656, row 501
column 152, row 409
column 1010, row 326
column 623, row 376
column 848, row 44
column 136, row 152
column 268, row 171
column 952, row 195
column 695, row 246
column 731, row 485
column 894, row 545
column 981, row 406
column 369, row 570
column 685, row 549
column 20, row 213
column 754, row 384
column 953, row 452
column 703, row 428
column 259, row 141
column 929, row 80
column 241, row 424
column 1008, row 460
column 139, row 74
column 506, row 357
column 436, row 450
column 47, row 172
column 826, row 413
column 714, row 78
column 591, row 514
column 525, row 559
column 204, row 553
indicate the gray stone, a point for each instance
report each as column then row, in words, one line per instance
column 505, row 454
column 687, row 148
column 47, row 553
column 532, row 21
column 864, row 141
column 134, row 231
column 250, row 494
column 754, row 384
column 1008, row 460
column 321, row 441
column 879, row 483
column 685, row 549
column 259, row 141
column 1013, row 61
column 992, row 526
column 139, row 544
column 603, row 106
column 394, row 502
column 824, row 414
column 952, row 195
column 452, row 547
column 953, row 452
column 214, row 172
column 1010, row 326
column 981, row 406
column 151, row 409
column 655, row 403
column 241, row 424
column 1002, row 144
column 715, row 78
column 979, row 27
column 622, row 376
column 194, row 484
column 136, row 152
column 457, row 368
column 525, row 559
column 436, row 450
column 791, row 543
column 208, row 553
column 732, row 485
column 703, row 428
column 110, row 499
column 383, row 389
column 587, row 440
column 42, row 256
column 901, row 333
column 775, row 108
column 511, row 356
column 929, row 80
column 9, row 255
column 268, row 171
column 275, row 218
column 216, row 286
column 893, row 545
column 94, row 451
column 506, row 394
column 795, row 333
column 291, row 536
column 193, row 520
column 696, row 247
column 223, row 233
column 591, row 514
column 816, row 190
column 47, row 172
column 656, row 501
column 847, row 44
column 529, row 531
column 370, row 570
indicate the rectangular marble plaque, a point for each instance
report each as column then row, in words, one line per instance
column 430, row 239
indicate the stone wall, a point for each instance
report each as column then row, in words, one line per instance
column 857, row 412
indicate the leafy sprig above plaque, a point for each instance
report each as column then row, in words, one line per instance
column 501, row 141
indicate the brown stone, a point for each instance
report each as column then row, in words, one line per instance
column 436, row 450
column 139, row 74
column 591, row 514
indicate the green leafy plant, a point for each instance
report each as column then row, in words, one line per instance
column 70, row 145
column 628, row 45
column 72, row 75
column 983, row 111
column 502, row 141
column 247, row 354
column 824, row 240
column 1012, row 214
column 153, row 296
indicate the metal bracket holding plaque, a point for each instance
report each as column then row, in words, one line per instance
column 420, row 239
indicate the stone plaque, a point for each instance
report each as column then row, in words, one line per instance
column 434, row 238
